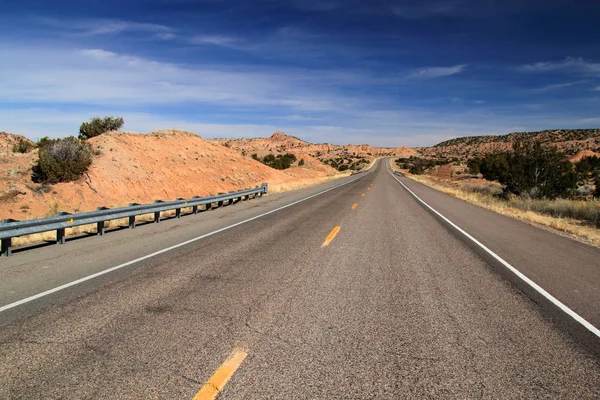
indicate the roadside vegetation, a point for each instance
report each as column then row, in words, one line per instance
column 531, row 182
column 346, row 163
column 61, row 160
column 67, row 159
column 281, row 161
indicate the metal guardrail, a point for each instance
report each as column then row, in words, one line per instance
column 12, row 228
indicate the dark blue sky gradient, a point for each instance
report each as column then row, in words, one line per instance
column 383, row 72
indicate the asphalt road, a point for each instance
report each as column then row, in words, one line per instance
column 395, row 306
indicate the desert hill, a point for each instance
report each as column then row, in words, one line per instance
column 575, row 158
column 132, row 167
column 280, row 143
column 570, row 141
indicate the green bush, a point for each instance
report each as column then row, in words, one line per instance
column 62, row 160
column 282, row 161
column 301, row 162
column 531, row 171
column 98, row 126
column 23, row 146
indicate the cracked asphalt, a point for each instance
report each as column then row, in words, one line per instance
column 394, row 307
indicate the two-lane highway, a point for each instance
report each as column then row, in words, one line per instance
column 358, row 292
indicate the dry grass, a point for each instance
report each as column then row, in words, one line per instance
column 86, row 229
column 577, row 218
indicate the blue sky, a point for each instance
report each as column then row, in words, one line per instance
column 383, row 72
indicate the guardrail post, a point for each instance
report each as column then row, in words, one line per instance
column 60, row 236
column 220, row 203
column 7, row 242
column 6, row 247
column 132, row 217
column 178, row 210
column 100, row 224
column 60, row 233
column 157, row 214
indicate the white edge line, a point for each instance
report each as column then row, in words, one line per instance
column 106, row 271
column 518, row 273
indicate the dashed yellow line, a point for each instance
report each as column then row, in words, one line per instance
column 362, row 195
column 331, row 236
column 217, row 382
column 354, row 205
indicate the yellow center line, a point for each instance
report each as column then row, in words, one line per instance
column 217, row 382
column 331, row 236
column 362, row 195
column 354, row 205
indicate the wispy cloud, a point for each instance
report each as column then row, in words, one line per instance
column 557, row 86
column 98, row 54
column 100, row 27
column 102, row 77
column 217, row 40
column 570, row 63
column 436, row 72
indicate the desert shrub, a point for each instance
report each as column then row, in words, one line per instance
column 530, row 170
column 301, row 162
column 282, row 161
column 474, row 165
column 23, row 146
column 62, row 160
column 343, row 167
column 255, row 157
column 98, row 126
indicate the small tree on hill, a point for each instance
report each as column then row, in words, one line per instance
column 98, row 126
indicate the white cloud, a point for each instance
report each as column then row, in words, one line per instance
column 101, row 27
column 98, row 54
column 570, row 63
column 557, row 86
column 108, row 27
column 216, row 40
column 436, row 72
column 102, row 77
column 165, row 35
